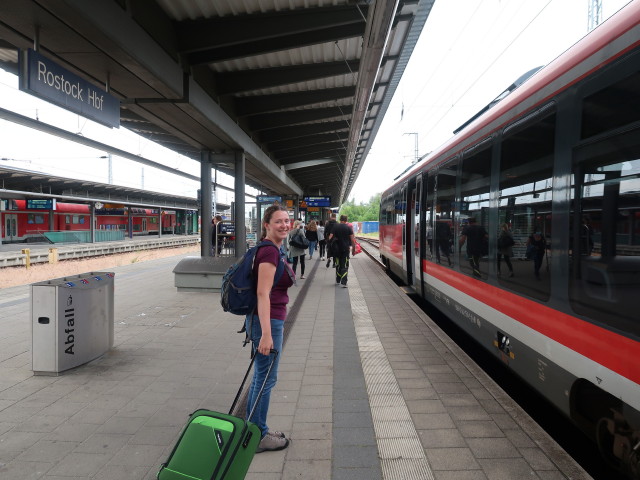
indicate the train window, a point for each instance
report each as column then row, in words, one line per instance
column 429, row 231
column 67, row 219
column 612, row 107
column 447, row 211
column 401, row 212
column 398, row 208
column 525, row 191
column 35, row 218
column 382, row 219
column 474, row 212
column 604, row 239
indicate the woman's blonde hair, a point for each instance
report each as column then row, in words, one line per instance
column 312, row 226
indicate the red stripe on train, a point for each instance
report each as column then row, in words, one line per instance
column 614, row 351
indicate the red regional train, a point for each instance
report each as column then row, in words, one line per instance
column 556, row 162
column 23, row 224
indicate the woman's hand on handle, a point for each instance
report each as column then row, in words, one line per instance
column 266, row 344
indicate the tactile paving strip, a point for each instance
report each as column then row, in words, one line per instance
column 402, row 456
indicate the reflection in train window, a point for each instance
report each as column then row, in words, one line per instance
column 604, row 249
column 446, row 211
column 474, row 208
column 401, row 212
column 604, row 111
column 525, row 192
column 431, row 179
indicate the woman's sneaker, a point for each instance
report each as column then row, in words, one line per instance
column 272, row 443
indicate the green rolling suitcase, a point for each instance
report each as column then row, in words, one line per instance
column 214, row 445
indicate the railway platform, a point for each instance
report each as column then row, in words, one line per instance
column 368, row 388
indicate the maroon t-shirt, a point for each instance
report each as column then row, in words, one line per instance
column 279, row 296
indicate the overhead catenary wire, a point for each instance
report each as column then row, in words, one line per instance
column 483, row 73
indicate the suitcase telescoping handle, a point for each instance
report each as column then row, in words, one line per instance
column 274, row 355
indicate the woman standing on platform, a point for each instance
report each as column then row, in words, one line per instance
column 267, row 327
column 297, row 253
column 322, row 243
column 312, row 236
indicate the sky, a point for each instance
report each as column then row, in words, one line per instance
column 468, row 53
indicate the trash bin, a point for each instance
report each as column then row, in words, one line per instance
column 71, row 321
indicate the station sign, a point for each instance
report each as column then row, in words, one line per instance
column 41, row 204
column 227, row 228
column 46, row 79
column 269, row 199
column 318, row 201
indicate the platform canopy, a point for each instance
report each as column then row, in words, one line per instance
column 300, row 86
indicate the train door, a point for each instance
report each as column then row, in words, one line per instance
column 417, row 229
column 408, row 202
column 428, row 237
column 10, row 227
column 144, row 225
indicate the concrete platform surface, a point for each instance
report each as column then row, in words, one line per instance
column 368, row 388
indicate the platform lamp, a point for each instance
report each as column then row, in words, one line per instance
column 110, row 174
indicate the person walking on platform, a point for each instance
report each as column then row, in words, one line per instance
column 297, row 253
column 267, row 326
column 505, row 244
column 216, row 239
column 343, row 240
column 328, row 228
column 476, row 238
column 312, row 236
column 536, row 249
column 322, row 243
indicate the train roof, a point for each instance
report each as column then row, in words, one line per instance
column 21, row 183
column 549, row 80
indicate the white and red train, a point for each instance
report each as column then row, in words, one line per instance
column 559, row 155
column 23, row 224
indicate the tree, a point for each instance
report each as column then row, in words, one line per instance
column 364, row 212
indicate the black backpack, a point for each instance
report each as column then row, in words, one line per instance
column 238, row 292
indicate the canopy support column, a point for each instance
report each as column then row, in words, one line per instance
column 206, row 213
column 240, row 229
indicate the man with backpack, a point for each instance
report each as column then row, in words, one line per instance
column 342, row 240
column 328, row 228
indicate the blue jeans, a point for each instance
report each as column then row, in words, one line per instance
column 260, row 367
column 312, row 247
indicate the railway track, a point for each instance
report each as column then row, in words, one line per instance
column 16, row 254
column 370, row 247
